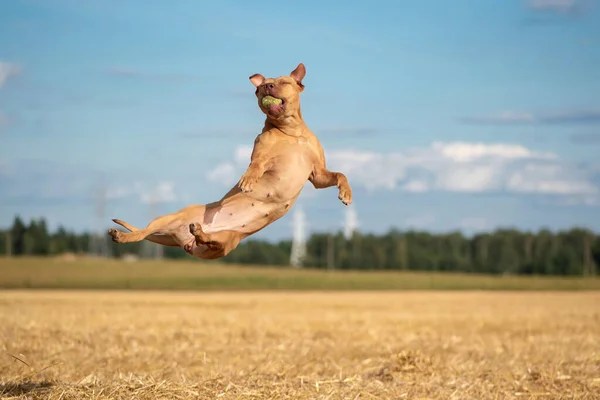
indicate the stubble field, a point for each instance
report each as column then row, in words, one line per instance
column 300, row 345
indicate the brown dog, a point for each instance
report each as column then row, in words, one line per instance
column 286, row 154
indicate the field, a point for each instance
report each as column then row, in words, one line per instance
column 299, row 345
column 84, row 273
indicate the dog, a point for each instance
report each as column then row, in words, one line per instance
column 286, row 154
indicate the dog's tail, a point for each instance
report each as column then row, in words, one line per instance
column 165, row 240
column 125, row 225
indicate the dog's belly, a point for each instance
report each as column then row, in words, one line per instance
column 271, row 197
column 244, row 214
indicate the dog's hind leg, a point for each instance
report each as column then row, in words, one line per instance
column 218, row 244
column 164, row 223
column 165, row 240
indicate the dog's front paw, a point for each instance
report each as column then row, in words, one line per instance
column 345, row 195
column 247, row 181
column 116, row 235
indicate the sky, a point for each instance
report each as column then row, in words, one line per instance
column 471, row 115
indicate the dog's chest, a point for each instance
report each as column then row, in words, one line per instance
column 297, row 157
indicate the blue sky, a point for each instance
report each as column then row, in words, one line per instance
column 443, row 116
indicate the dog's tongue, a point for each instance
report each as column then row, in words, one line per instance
column 275, row 108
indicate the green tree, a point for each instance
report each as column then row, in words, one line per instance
column 18, row 232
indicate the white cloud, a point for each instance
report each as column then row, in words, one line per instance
column 242, row 154
column 582, row 116
column 7, row 70
column 468, row 152
column 373, row 170
column 224, row 173
column 454, row 167
column 464, row 167
column 228, row 173
column 558, row 6
column 474, row 224
column 416, row 186
column 129, row 72
column 552, row 179
column 162, row 192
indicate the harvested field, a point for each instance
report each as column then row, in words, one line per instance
column 301, row 345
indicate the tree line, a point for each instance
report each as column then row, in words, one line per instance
column 503, row 251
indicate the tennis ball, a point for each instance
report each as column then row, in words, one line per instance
column 268, row 101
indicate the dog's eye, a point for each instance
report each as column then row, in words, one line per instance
column 285, row 83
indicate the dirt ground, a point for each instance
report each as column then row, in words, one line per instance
column 308, row 345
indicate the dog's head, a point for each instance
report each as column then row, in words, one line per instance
column 285, row 88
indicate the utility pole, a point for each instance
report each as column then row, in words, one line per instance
column 351, row 222
column 298, row 238
column 350, row 225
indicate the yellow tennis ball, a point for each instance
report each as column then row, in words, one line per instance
column 268, row 101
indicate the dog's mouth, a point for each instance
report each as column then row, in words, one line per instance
column 273, row 105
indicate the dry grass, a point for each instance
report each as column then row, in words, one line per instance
column 303, row 345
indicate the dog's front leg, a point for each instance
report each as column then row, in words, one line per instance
column 323, row 178
column 255, row 171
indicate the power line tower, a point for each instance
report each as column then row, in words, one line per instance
column 298, row 238
column 98, row 241
column 350, row 223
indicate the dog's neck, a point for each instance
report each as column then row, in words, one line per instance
column 292, row 126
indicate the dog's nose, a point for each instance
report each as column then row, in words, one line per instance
column 270, row 86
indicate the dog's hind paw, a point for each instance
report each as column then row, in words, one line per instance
column 199, row 235
column 115, row 234
column 194, row 230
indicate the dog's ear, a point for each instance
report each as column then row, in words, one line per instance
column 257, row 79
column 298, row 74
